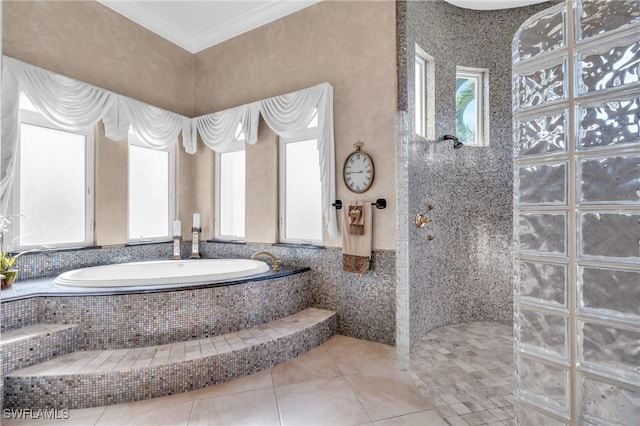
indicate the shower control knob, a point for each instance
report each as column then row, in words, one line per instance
column 421, row 220
column 430, row 237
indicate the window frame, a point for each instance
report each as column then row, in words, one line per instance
column 31, row 117
column 217, row 193
column 310, row 133
column 171, row 149
column 481, row 78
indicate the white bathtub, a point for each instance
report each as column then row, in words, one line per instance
column 162, row 272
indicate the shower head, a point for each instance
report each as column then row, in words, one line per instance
column 456, row 142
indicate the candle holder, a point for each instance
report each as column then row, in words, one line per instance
column 177, row 244
column 195, row 243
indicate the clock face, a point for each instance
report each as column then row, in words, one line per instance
column 358, row 172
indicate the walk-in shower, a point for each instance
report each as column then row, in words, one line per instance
column 576, row 76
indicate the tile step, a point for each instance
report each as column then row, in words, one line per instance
column 34, row 344
column 85, row 379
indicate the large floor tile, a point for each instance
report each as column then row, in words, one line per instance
column 259, row 380
column 423, row 418
column 256, row 408
column 149, row 415
column 314, row 365
column 364, row 356
column 387, row 393
column 149, row 403
column 322, row 402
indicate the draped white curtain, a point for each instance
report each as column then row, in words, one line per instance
column 219, row 130
column 286, row 115
column 290, row 113
column 74, row 105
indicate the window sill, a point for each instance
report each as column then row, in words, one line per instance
column 300, row 246
column 28, row 252
column 146, row 243
column 239, row 242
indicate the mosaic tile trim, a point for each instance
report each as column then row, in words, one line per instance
column 35, row 344
column 135, row 320
column 285, row 339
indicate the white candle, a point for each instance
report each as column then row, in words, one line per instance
column 196, row 220
column 177, row 228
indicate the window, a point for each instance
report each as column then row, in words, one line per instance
column 471, row 106
column 151, row 183
column 300, row 189
column 420, row 95
column 53, row 189
column 230, row 195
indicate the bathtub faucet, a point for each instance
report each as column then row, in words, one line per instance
column 276, row 262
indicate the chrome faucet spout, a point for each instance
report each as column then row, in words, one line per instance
column 276, row 262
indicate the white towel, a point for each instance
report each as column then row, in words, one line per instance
column 356, row 248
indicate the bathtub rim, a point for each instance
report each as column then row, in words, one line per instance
column 259, row 267
column 44, row 287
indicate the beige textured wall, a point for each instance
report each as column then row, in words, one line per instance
column 89, row 42
column 110, row 190
column 348, row 44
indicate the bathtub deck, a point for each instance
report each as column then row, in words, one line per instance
column 92, row 378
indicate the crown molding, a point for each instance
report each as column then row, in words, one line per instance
column 263, row 14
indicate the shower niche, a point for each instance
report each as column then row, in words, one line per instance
column 576, row 96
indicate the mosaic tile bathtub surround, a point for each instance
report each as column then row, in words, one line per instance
column 135, row 320
column 365, row 304
column 89, row 379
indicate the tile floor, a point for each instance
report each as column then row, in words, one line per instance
column 460, row 375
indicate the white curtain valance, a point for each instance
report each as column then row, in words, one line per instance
column 73, row 105
column 219, row 130
column 290, row 113
column 286, row 115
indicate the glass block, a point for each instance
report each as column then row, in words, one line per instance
column 543, row 281
column 598, row 16
column 609, row 293
column 539, row 87
column 542, row 184
column 609, row 235
column 541, row 333
column 610, row 180
column 611, row 349
column 608, row 123
column 542, row 135
column 542, row 232
column 606, row 67
column 540, row 33
column 542, row 384
column 607, row 404
column 526, row 416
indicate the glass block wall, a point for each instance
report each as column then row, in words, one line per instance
column 576, row 96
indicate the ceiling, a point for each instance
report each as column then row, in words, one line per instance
column 197, row 25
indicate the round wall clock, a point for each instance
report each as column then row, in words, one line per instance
column 358, row 171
